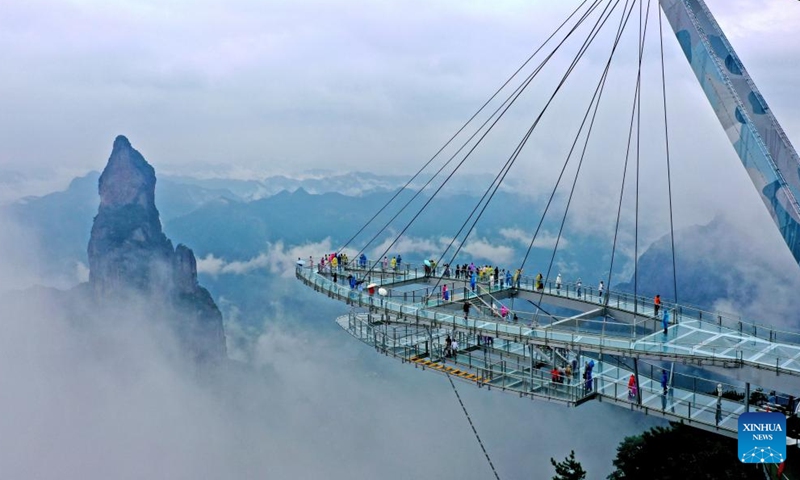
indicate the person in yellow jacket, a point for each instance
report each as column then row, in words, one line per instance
column 394, row 263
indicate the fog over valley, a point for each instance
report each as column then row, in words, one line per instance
column 167, row 168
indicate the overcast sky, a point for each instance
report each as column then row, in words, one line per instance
column 252, row 86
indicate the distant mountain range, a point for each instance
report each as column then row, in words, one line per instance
column 217, row 218
column 318, row 182
column 236, row 221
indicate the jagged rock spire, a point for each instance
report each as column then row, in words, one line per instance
column 130, row 255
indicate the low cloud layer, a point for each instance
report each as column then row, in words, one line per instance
column 277, row 259
column 106, row 395
column 281, row 259
column 111, row 400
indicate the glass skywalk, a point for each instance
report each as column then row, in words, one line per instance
column 628, row 326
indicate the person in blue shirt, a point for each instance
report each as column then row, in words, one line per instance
column 773, row 399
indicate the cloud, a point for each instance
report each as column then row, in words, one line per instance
column 19, row 255
column 219, row 84
column 81, row 272
column 410, row 248
column 111, row 399
column 483, row 249
column 277, row 259
column 545, row 239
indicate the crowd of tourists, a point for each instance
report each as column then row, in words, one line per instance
column 493, row 277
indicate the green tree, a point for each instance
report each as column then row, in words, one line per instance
column 569, row 468
column 680, row 452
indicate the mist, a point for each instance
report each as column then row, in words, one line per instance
column 107, row 394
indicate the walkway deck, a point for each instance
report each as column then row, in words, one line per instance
column 412, row 320
column 693, row 336
column 519, row 369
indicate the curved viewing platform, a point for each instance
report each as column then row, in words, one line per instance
column 517, row 368
column 404, row 315
column 616, row 323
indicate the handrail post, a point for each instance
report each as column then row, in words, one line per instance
column 747, row 397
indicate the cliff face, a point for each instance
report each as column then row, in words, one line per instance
column 127, row 248
column 130, row 255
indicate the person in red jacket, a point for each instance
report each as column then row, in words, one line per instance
column 656, row 304
column 632, row 387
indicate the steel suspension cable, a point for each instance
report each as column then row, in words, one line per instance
column 598, row 95
column 517, row 94
column 472, row 425
column 504, row 106
column 634, row 109
column 494, row 186
column 638, row 145
column 511, row 160
column 666, row 141
column 497, row 92
column 623, row 23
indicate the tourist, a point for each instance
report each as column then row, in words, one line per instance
column 558, row 284
column 587, row 376
column 578, row 287
column 600, row 290
column 632, row 387
column 466, row 311
column 656, row 305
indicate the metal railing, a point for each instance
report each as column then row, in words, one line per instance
column 600, row 335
